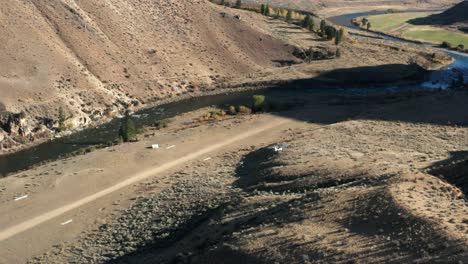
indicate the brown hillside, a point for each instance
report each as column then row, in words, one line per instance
column 94, row 56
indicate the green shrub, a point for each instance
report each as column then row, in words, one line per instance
column 242, row 109
column 330, row 32
column 446, row 44
column 259, row 103
column 339, row 36
column 162, row 124
column 365, row 21
column 216, row 117
column 289, row 16
column 61, row 120
column 308, row 23
column 262, row 9
column 323, row 24
column 128, row 131
column 232, row 110
column 338, row 53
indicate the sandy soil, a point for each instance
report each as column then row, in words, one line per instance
column 80, row 180
column 106, row 60
column 249, row 202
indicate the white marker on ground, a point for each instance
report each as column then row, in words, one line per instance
column 67, row 222
column 173, row 146
column 207, row 159
column 21, row 198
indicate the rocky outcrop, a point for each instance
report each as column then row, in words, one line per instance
column 18, row 130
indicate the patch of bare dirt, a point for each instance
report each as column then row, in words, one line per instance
column 381, row 187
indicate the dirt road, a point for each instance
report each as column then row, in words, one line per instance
column 24, row 226
column 59, row 207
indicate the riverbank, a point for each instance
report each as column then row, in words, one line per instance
column 292, row 77
column 396, row 25
column 42, row 123
column 352, row 137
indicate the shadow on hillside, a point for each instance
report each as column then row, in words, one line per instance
column 453, row 170
column 294, row 32
column 379, row 223
column 387, row 92
column 333, row 96
column 421, row 21
column 2, row 108
column 291, row 27
column 456, row 14
column 282, row 63
column 329, row 106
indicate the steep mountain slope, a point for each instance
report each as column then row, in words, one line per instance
column 96, row 58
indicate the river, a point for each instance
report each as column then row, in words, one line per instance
column 439, row 79
column 54, row 149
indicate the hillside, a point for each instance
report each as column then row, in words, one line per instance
column 96, row 58
column 334, row 7
column 457, row 15
column 386, row 186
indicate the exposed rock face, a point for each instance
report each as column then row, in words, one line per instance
column 18, row 129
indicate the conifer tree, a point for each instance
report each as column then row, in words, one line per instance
column 323, row 25
column 289, row 16
column 262, row 9
column 127, row 131
column 267, row 10
column 339, row 36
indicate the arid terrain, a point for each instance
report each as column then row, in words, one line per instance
column 336, row 153
column 368, row 180
column 95, row 61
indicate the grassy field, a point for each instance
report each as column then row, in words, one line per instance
column 436, row 35
column 397, row 24
column 393, row 22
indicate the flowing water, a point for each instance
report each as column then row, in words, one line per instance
column 55, row 149
column 440, row 79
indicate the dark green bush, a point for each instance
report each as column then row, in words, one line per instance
column 128, row 131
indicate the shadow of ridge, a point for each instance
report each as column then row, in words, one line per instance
column 357, row 89
column 456, row 14
column 389, row 92
column 157, row 246
column 453, row 170
column 382, row 74
column 214, row 241
column 282, row 63
column 2, row 108
column 379, row 215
